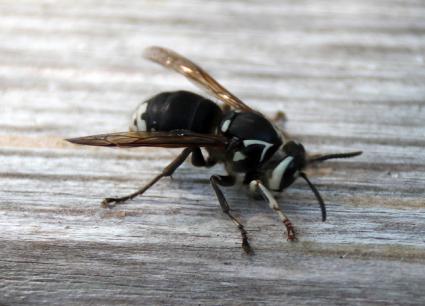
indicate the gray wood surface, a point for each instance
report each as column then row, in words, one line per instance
column 349, row 75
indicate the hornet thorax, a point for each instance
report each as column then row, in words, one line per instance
column 253, row 140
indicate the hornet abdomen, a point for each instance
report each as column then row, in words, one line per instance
column 178, row 110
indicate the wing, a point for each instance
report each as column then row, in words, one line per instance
column 193, row 72
column 174, row 139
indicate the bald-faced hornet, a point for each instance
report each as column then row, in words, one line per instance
column 244, row 140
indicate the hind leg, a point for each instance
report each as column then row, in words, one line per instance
column 168, row 171
column 197, row 160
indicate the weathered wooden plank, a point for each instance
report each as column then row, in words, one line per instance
column 349, row 75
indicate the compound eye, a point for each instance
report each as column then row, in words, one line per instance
column 294, row 148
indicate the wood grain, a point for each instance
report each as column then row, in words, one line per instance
column 349, row 75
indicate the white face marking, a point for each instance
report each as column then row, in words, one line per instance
column 238, row 156
column 225, row 126
column 258, row 142
column 277, row 174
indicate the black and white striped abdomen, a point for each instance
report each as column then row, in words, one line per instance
column 176, row 110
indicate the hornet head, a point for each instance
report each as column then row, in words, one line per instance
column 288, row 164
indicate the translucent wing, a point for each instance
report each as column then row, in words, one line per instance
column 193, row 72
column 174, row 139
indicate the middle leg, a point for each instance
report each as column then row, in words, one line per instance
column 198, row 159
column 229, row 181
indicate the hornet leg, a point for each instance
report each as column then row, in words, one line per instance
column 198, row 159
column 280, row 117
column 257, row 185
column 229, row 181
column 280, row 120
column 168, row 171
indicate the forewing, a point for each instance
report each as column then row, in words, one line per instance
column 152, row 139
column 193, row 72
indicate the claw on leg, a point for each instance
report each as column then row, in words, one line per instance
column 111, row 202
column 246, row 247
column 290, row 230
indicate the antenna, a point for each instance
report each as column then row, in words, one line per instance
column 321, row 158
column 317, row 194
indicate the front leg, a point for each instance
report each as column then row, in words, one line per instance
column 257, row 185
